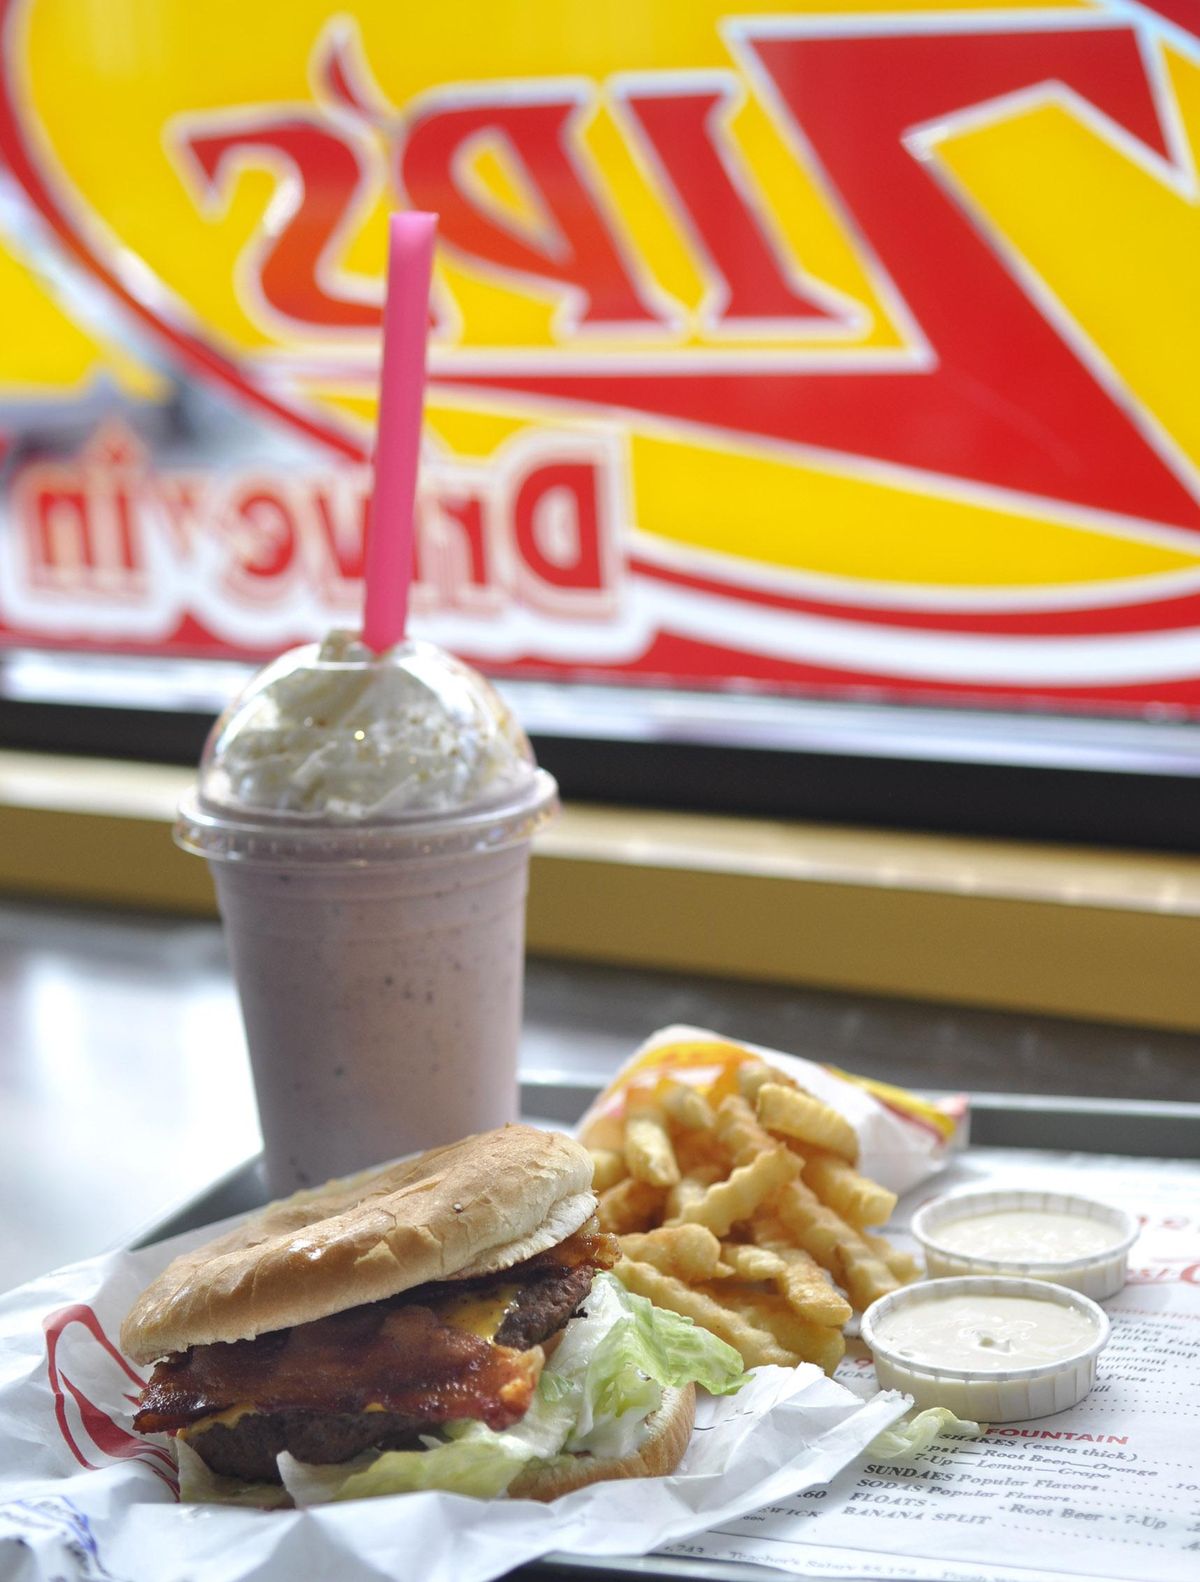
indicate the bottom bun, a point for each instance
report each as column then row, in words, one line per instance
column 670, row 1429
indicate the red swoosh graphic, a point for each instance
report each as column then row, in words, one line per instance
column 202, row 357
column 1008, row 400
column 680, row 660
column 108, row 1437
column 1123, row 616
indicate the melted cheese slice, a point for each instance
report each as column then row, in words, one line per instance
column 225, row 1419
column 479, row 1313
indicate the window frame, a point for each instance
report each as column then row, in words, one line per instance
column 1024, row 775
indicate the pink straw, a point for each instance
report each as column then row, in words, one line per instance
column 389, row 552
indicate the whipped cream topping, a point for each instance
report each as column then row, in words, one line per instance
column 335, row 733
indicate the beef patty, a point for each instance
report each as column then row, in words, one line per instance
column 246, row 1449
column 544, row 1305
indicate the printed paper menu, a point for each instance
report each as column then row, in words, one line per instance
column 1108, row 1489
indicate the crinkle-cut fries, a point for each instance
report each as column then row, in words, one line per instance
column 749, row 1215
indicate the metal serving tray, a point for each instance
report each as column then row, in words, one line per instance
column 1143, row 1129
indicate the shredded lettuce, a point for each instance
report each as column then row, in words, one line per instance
column 200, row 1485
column 605, row 1378
column 911, row 1435
column 663, row 1345
column 552, row 1386
column 482, row 1466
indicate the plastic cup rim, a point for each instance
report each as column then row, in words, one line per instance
column 1121, row 1219
column 1015, row 1285
column 516, row 816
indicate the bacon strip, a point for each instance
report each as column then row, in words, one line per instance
column 589, row 1244
column 396, row 1355
column 402, row 1359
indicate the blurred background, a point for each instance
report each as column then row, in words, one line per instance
column 808, row 388
column 811, row 454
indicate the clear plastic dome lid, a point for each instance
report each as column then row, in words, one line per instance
column 332, row 736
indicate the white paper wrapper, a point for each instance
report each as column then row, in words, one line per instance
column 82, row 1496
column 902, row 1139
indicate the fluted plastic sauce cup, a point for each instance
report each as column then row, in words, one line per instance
column 367, row 820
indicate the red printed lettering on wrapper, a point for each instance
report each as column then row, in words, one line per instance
column 1165, row 1274
column 88, row 1421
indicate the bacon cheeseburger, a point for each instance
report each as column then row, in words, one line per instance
column 446, row 1322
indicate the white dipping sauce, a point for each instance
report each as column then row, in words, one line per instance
column 988, row 1334
column 1027, row 1235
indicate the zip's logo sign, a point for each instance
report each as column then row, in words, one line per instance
column 582, row 200
column 567, row 193
column 867, row 337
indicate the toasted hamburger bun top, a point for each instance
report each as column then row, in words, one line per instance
column 471, row 1208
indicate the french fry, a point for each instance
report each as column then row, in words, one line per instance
column 803, row 1283
column 698, row 1152
column 690, row 1252
column 741, row 1207
column 749, row 1263
column 726, row 1202
column 812, row 1225
column 799, row 1115
column 808, row 1291
column 608, row 1167
column 738, row 1130
column 686, row 1106
column 648, row 1150
column 822, row 1344
column 751, row 1075
column 865, row 1275
column 835, row 1245
column 858, row 1200
column 690, row 1189
column 902, row 1264
column 756, row 1346
column 630, row 1205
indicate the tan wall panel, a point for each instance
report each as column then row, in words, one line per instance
column 1098, row 963
column 130, row 862
column 1111, row 936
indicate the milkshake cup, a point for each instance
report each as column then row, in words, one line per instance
column 367, row 821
